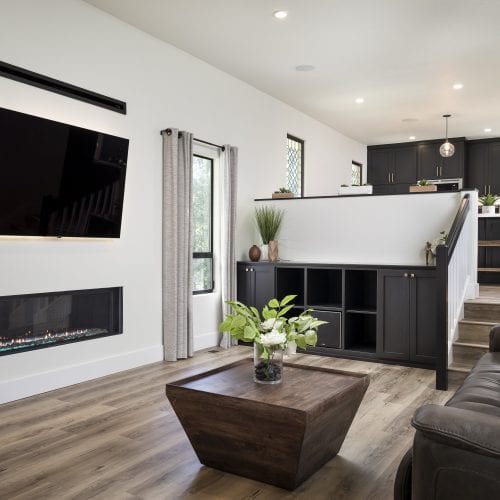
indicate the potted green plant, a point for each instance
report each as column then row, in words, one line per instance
column 423, row 186
column 269, row 221
column 271, row 333
column 488, row 203
column 282, row 192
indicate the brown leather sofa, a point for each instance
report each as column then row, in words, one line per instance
column 456, row 450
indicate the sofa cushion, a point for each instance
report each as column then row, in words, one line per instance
column 481, row 389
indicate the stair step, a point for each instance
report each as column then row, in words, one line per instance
column 468, row 353
column 470, row 330
column 482, row 310
column 459, row 367
column 489, row 243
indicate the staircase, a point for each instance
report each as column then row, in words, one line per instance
column 473, row 331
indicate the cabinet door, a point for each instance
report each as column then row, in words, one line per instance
column 263, row 277
column 477, row 161
column 493, row 171
column 380, row 166
column 329, row 335
column 422, row 316
column 405, row 165
column 393, row 319
column 453, row 167
column 255, row 284
column 429, row 161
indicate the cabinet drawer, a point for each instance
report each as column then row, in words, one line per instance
column 329, row 335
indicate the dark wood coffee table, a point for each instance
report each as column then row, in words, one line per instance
column 279, row 434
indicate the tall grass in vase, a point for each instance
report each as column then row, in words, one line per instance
column 269, row 221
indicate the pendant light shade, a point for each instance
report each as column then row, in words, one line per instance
column 447, row 149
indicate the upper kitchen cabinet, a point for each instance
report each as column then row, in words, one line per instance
column 393, row 164
column 431, row 165
column 483, row 166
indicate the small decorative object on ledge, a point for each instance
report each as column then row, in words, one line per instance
column 272, row 251
column 254, row 253
column 423, row 186
column 271, row 333
column 430, row 248
column 345, row 190
column 488, row 203
column 283, row 192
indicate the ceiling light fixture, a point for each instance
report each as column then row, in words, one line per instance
column 458, row 86
column 447, row 149
column 304, row 67
column 412, row 137
column 487, row 130
column 280, row 14
column 359, row 100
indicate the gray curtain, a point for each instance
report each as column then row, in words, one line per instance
column 228, row 258
column 177, row 274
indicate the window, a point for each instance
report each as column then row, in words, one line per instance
column 203, row 169
column 295, row 165
column 356, row 173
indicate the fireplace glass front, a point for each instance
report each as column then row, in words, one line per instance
column 42, row 320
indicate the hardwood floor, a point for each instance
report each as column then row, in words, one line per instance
column 118, row 438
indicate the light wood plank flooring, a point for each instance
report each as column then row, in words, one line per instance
column 118, row 438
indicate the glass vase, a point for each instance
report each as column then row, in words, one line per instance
column 268, row 364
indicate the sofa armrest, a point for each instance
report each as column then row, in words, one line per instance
column 402, row 481
column 459, row 428
column 495, row 339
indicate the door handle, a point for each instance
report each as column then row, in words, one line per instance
column 246, row 269
column 389, row 177
column 405, row 275
column 393, row 177
column 252, row 270
column 412, row 275
column 437, row 171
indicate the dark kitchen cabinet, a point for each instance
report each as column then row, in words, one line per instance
column 483, row 166
column 392, row 166
column 431, row 165
column 406, row 323
column 255, row 283
column 329, row 335
column 489, row 250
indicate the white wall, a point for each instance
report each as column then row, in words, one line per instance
column 364, row 229
column 74, row 42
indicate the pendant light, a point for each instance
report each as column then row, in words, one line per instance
column 447, row 149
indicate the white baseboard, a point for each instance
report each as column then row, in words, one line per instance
column 472, row 290
column 13, row 389
column 206, row 340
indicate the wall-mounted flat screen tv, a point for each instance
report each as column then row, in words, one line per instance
column 58, row 179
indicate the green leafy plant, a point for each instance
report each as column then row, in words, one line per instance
column 269, row 221
column 273, row 328
column 423, row 182
column 488, row 200
column 283, row 190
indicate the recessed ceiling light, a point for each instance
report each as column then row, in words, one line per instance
column 280, row 14
column 359, row 100
column 304, row 67
column 458, row 86
column 487, row 130
column 412, row 137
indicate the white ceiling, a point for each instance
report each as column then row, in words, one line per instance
column 402, row 56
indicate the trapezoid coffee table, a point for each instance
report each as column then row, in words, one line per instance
column 278, row 434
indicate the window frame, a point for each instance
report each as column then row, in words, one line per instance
column 210, row 254
column 360, row 165
column 302, row 160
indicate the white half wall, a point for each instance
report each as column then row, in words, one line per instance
column 164, row 87
column 390, row 230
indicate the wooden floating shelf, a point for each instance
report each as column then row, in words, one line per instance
column 489, row 243
column 489, row 269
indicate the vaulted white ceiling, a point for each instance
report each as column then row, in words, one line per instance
column 401, row 56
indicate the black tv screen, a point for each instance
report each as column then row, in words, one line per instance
column 59, row 180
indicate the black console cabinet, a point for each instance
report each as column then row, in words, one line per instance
column 373, row 312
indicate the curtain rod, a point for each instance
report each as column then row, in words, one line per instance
column 169, row 132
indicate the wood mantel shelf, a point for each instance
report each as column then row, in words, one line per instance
column 279, row 434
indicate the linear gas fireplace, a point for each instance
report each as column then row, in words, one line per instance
column 42, row 320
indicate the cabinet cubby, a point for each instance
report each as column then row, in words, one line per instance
column 324, row 287
column 360, row 332
column 290, row 281
column 361, row 290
